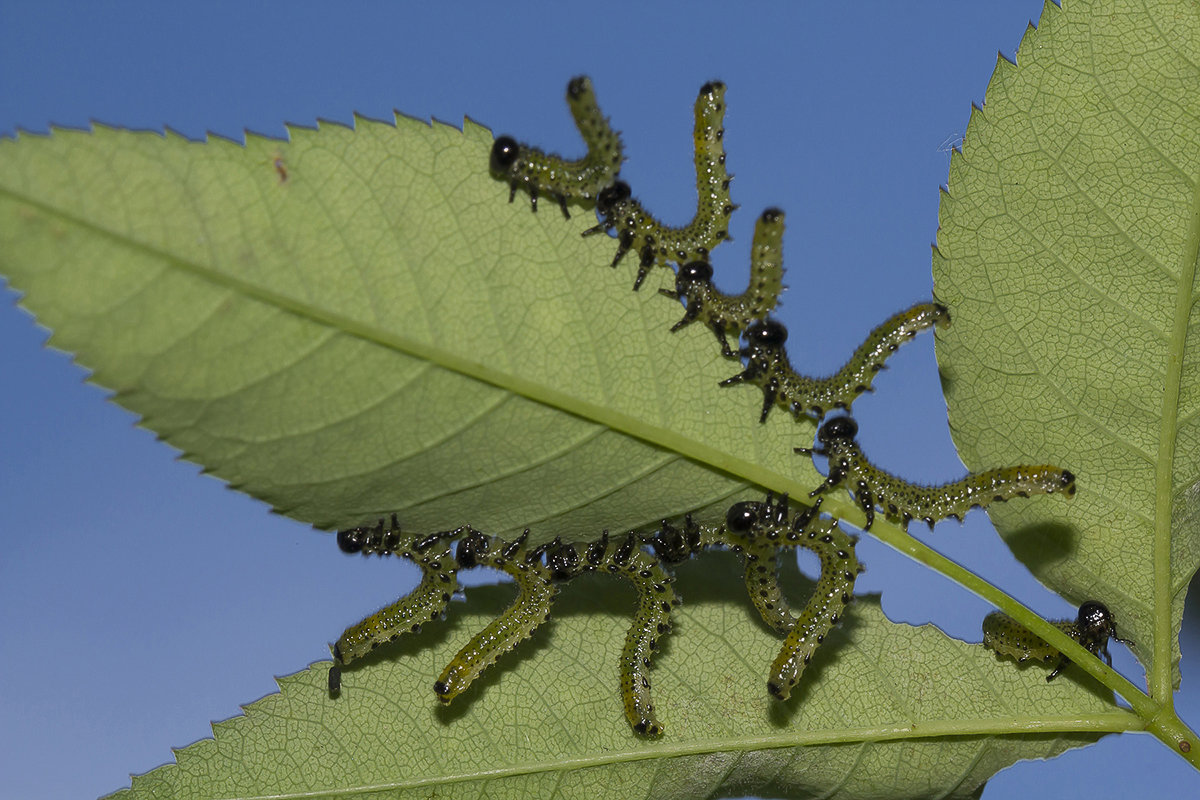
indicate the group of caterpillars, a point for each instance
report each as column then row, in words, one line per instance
column 761, row 531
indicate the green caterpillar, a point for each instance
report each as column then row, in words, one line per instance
column 762, row 531
column 1092, row 628
column 531, row 608
column 536, row 172
column 903, row 502
column 769, row 368
column 439, row 581
column 656, row 599
column 655, row 243
column 733, row 313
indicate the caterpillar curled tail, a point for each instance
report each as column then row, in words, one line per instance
column 655, row 243
column 1092, row 628
column 731, row 314
column 537, row 172
column 439, row 581
column 530, row 608
column 903, row 502
column 764, row 527
column 769, row 368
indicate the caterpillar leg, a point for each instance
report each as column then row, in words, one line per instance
column 439, row 581
column 531, row 608
column 758, row 370
column 766, row 364
column 866, row 501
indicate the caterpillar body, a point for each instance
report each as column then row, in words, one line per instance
column 769, row 368
column 537, row 583
column 529, row 609
column 903, row 502
column 439, row 582
column 652, row 620
column 766, row 531
column 535, row 171
column 654, row 243
column 1092, row 628
column 724, row 313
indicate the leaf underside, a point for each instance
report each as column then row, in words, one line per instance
column 1067, row 254
column 354, row 322
column 380, row 332
column 547, row 721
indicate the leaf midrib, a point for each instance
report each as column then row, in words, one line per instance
column 1109, row 722
column 1161, row 680
column 626, row 424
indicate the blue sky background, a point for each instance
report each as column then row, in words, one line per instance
column 139, row 600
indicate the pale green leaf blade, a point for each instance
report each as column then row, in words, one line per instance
column 377, row 332
column 1067, row 253
column 872, row 719
column 381, row 331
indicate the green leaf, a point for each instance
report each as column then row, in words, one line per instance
column 353, row 340
column 870, row 722
column 355, row 322
column 378, row 332
column 1068, row 254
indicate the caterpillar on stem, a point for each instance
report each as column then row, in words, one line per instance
column 655, row 243
column 536, row 171
column 769, row 368
column 903, row 502
column 725, row 313
column 1092, row 628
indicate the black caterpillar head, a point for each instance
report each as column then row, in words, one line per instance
column 611, row 196
column 351, row 540
column 563, row 561
column 674, row 545
column 692, row 273
column 505, row 152
column 742, row 517
column 381, row 538
column 470, row 548
column 766, row 334
column 1095, row 623
column 837, row 429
